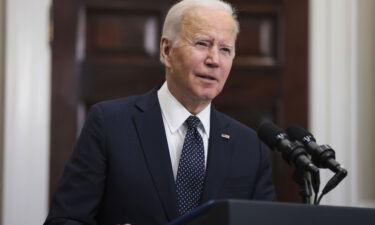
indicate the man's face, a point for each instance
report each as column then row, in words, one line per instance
column 199, row 62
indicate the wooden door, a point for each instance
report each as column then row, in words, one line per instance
column 105, row 49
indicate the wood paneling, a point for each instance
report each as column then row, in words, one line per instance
column 259, row 41
column 122, row 35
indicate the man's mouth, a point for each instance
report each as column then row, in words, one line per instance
column 206, row 77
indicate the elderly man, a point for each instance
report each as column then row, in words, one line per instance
column 149, row 159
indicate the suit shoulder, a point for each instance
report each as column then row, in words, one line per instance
column 115, row 105
column 126, row 105
column 111, row 109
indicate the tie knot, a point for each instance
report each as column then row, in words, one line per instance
column 192, row 122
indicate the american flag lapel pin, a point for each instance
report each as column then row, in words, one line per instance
column 226, row 136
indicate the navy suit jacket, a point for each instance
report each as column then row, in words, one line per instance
column 120, row 171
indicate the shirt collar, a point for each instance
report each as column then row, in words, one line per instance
column 175, row 113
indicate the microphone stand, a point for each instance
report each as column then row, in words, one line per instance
column 305, row 180
column 305, row 175
column 302, row 178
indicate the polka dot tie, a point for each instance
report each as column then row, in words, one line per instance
column 190, row 173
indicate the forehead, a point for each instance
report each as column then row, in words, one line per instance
column 208, row 21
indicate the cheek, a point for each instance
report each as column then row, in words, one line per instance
column 227, row 62
column 192, row 67
column 226, row 67
column 196, row 58
column 187, row 64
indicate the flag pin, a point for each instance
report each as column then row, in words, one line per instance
column 225, row 136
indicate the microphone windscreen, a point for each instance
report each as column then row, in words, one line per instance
column 297, row 132
column 268, row 132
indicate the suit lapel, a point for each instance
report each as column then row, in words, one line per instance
column 150, row 128
column 219, row 156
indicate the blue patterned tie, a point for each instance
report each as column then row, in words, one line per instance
column 190, row 174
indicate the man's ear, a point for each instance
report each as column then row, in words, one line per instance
column 165, row 51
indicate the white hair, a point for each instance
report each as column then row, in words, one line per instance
column 173, row 20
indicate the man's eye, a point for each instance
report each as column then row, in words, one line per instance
column 226, row 50
column 201, row 43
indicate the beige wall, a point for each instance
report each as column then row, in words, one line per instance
column 366, row 109
column 1, row 98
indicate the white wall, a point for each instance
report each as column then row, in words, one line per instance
column 27, row 112
column 341, row 98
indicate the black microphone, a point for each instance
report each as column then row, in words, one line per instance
column 293, row 152
column 322, row 155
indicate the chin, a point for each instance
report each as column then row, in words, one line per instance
column 207, row 96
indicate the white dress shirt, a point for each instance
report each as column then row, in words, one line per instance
column 174, row 115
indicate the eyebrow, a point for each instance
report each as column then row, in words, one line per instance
column 202, row 37
column 227, row 46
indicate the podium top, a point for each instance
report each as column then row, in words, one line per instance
column 243, row 212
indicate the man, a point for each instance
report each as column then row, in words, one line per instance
column 149, row 159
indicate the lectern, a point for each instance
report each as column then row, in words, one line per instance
column 241, row 212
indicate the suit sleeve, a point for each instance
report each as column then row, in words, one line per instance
column 81, row 187
column 264, row 188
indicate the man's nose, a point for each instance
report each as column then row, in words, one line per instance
column 212, row 59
